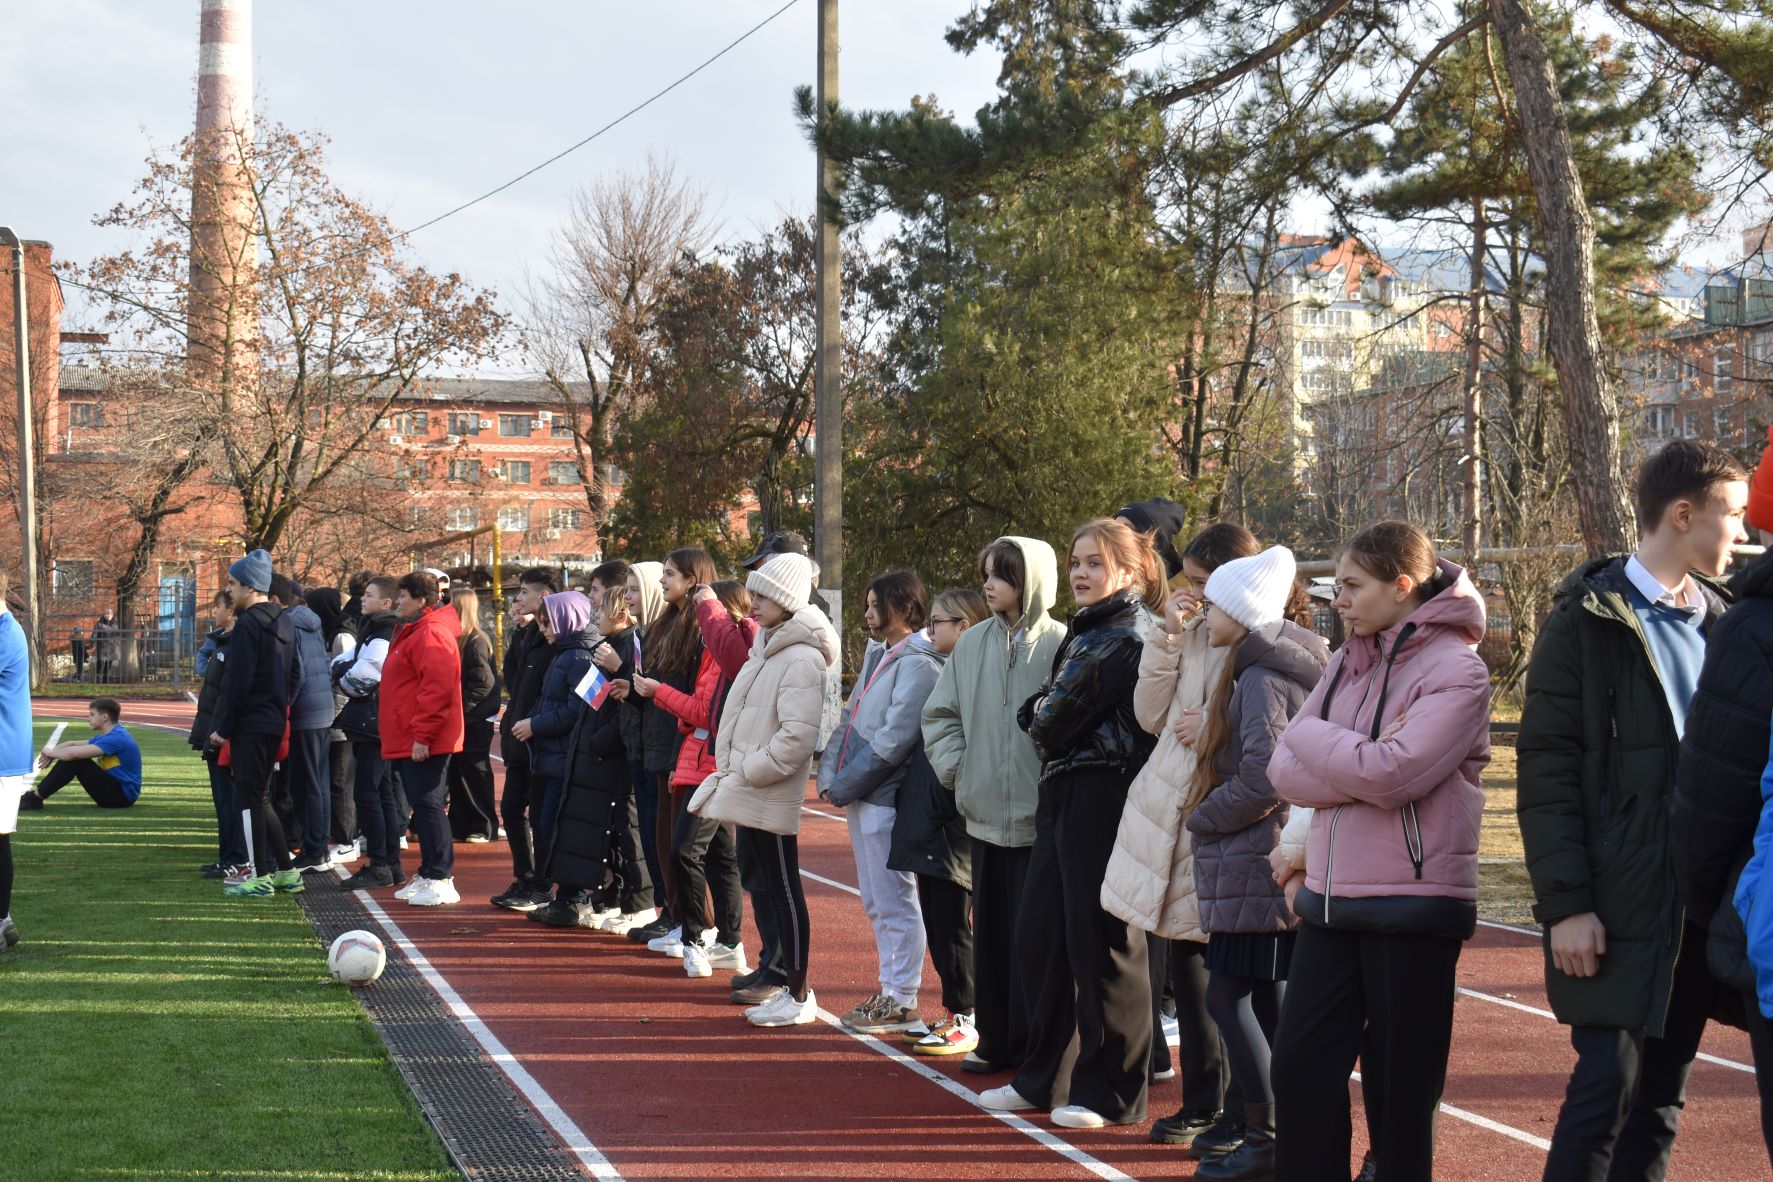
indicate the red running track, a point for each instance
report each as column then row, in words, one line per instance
column 667, row 1080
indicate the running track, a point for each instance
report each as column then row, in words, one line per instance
column 648, row 1074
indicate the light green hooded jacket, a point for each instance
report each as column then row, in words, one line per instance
column 969, row 723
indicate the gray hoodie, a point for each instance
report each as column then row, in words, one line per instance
column 883, row 723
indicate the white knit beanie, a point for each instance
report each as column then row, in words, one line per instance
column 786, row 579
column 1254, row 590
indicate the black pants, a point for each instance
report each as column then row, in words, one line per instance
column 1624, row 1101
column 646, row 818
column 703, row 859
column 344, row 793
column 103, row 787
column 1205, row 1073
column 426, row 781
column 373, row 781
column 1388, row 1001
column 1000, row 994
column 310, row 786
column 668, row 805
column 1089, row 996
column 779, row 857
column 637, row 879
column 1157, row 965
column 754, row 873
column 514, row 810
column 230, row 834
column 1760, row 1041
column 252, row 760
column 472, row 811
column 948, row 926
column 5, row 875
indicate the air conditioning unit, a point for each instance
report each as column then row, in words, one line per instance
column 452, row 440
column 546, row 416
column 396, row 440
column 537, row 424
column 486, row 424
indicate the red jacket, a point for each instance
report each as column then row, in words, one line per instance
column 695, row 755
column 421, row 691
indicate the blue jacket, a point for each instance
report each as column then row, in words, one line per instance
column 557, row 708
column 17, row 754
column 1754, row 896
column 311, row 707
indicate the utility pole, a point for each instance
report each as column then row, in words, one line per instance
column 1472, row 529
column 828, row 369
column 27, row 464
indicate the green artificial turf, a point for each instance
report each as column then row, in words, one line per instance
column 150, row 1028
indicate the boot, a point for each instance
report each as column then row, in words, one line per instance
column 1225, row 1135
column 1182, row 1128
column 1253, row 1161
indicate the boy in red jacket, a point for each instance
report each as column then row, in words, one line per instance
column 420, row 719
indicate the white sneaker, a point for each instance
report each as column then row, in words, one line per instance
column 438, row 892
column 595, row 917
column 623, row 923
column 346, row 853
column 403, row 843
column 772, row 999
column 695, row 961
column 671, row 939
column 1005, row 1099
column 362, row 843
column 725, row 956
column 783, row 1010
column 417, row 883
column 1076, row 1116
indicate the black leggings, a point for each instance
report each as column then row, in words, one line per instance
column 5, row 874
column 1247, row 1011
column 778, row 858
column 947, row 922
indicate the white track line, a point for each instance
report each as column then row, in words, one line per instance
column 563, row 1125
column 1509, row 927
column 823, row 815
column 1058, row 1145
column 1483, row 1122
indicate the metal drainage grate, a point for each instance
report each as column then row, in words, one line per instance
column 488, row 1130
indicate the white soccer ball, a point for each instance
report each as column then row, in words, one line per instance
column 357, row 958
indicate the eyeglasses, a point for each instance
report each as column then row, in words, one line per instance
column 934, row 620
column 1207, row 605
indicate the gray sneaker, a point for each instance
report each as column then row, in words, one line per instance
column 8, row 932
column 881, row 1015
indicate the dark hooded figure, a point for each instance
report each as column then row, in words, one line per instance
column 1164, row 519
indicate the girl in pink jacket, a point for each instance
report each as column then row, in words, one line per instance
column 1387, row 749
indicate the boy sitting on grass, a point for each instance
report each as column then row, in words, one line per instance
column 108, row 765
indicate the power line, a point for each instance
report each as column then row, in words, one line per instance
column 613, row 123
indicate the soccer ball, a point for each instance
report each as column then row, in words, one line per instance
column 357, row 958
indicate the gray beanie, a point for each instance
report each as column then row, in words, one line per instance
column 253, row 571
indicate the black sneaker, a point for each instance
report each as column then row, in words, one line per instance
column 369, row 877
column 30, row 802
column 213, row 870
column 559, row 913
column 306, row 865
column 746, row 980
column 516, row 897
column 1182, row 1128
column 1225, row 1135
column 652, row 931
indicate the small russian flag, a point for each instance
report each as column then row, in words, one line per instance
column 594, row 688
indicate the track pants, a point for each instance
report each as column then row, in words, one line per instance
column 889, row 899
column 778, row 857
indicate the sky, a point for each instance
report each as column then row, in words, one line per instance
column 429, row 103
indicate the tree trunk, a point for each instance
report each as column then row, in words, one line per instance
column 1473, row 529
column 1573, row 334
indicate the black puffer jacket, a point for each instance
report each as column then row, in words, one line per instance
column 255, row 684
column 1239, row 823
column 1717, row 794
column 659, row 726
column 1083, row 716
column 480, row 681
column 597, row 781
column 211, row 693
column 526, row 663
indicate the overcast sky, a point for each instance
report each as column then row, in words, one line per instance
column 432, row 102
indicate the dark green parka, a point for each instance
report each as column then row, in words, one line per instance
column 1597, row 757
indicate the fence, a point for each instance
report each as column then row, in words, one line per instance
column 159, row 649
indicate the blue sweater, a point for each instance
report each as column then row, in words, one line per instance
column 1677, row 645
column 17, row 754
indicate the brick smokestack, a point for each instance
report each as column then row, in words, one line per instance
column 222, row 313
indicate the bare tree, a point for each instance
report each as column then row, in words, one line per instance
column 592, row 319
column 347, row 326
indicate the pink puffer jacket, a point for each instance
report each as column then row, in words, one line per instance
column 1398, row 816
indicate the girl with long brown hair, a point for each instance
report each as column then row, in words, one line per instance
column 473, row 812
column 1089, row 999
column 1235, row 820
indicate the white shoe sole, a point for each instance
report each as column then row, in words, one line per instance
column 702, row 970
column 1076, row 1116
column 1005, row 1099
column 434, row 900
column 800, row 1017
column 410, row 889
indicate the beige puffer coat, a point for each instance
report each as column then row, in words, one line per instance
column 763, row 750
column 1150, row 880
